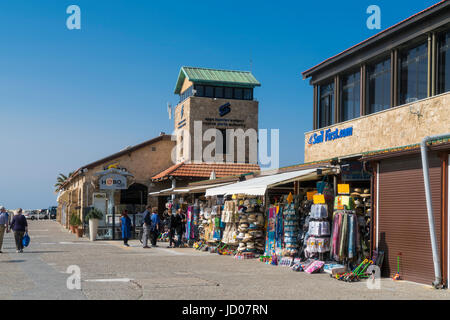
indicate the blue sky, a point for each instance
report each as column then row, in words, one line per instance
column 69, row 97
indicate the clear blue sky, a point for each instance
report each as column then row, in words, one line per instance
column 69, row 97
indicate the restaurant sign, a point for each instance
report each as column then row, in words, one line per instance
column 330, row 135
column 113, row 181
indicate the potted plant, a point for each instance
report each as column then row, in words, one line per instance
column 73, row 222
column 93, row 216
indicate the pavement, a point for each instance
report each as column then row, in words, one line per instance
column 108, row 270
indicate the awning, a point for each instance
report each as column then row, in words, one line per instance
column 165, row 192
column 259, row 185
column 199, row 189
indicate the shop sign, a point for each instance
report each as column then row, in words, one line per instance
column 318, row 198
column 113, row 181
column 343, row 188
column 330, row 135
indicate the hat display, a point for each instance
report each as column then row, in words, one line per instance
column 366, row 193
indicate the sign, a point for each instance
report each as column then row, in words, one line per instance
column 113, row 181
column 328, row 135
column 310, row 194
column 224, row 109
column 318, row 198
column 343, row 188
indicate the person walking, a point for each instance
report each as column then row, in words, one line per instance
column 19, row 226
column 146, row 227
column 125, row 225
column 4, row 221
column 171, row 224
column 155, row 225
column 181, row 229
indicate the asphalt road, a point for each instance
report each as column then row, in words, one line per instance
column 111, row 271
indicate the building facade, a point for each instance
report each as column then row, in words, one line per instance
column 374, row 103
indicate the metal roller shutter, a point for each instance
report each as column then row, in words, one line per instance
column 403, row 223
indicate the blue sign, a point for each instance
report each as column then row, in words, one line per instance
column 330, row 135
column 224, row 109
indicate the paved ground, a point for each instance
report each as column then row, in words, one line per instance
column 111, row 271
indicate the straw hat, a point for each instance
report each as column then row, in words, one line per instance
column 366, row 193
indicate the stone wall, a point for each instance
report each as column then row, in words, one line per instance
column 243, row 115
column 399, row 126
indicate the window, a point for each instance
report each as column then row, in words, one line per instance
column 413, row 74
column 378, row 88
column 218, row 92
column 200, row 91
column 238, row 93
column 443, row 84
column 229, row 93
column 209, row 91
column 186, row 94
column 326, row 105
column 350, row 96
column 248, row 94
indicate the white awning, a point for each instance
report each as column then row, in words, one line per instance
column 258, row 186
column 199, row 189
column 161, row 192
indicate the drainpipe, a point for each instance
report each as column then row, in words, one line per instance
column 426, row 178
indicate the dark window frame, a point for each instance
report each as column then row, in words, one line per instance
column 441, row 82
column 401, row 96
column 357, row 80
column 386, row 60
column 330, row 96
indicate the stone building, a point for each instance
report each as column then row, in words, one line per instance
column 81, row 191
column 374, row 104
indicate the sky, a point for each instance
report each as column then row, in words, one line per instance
column 70, row 97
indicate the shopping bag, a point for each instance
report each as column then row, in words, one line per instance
column 26, row 240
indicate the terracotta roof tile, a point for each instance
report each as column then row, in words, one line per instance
column 204, row 170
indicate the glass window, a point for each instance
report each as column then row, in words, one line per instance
column 350, row 96
column 378, row 91
column 444, row 63
column 248, row 94
column 200, row 91
column 325, row 114
column 209, row 91
column 218, row 92
column 238, row 93
column 229, row 93
column 413, row 74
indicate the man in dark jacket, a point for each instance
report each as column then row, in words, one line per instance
column 179, row 226
column 19, row 225
column 171, row 224
column 155, row 226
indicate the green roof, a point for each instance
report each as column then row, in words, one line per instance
column 216, row 77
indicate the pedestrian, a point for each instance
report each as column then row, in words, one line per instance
column 19, row 226
column 155, row 226
column 181, row 226
column 125, row 225
column 4, row 220
column 146, row 227
column 171, row 224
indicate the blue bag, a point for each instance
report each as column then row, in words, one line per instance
column 26, row 240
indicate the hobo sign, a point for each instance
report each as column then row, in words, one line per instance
column 113, row 181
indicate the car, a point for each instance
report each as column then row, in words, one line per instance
column 52, row 212
column 29, row 214
column 43, row 214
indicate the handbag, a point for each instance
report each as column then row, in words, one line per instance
column 26, row 240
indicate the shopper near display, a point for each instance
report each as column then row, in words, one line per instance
column 125, row 225
column 180, row 226
column 171, row 224
column 19, row 226
column 3, row 225
column 154, row 226
column 146, row 226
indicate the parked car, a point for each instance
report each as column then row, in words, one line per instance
column 43, row 214
column 52, row 212
column 29, row 214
